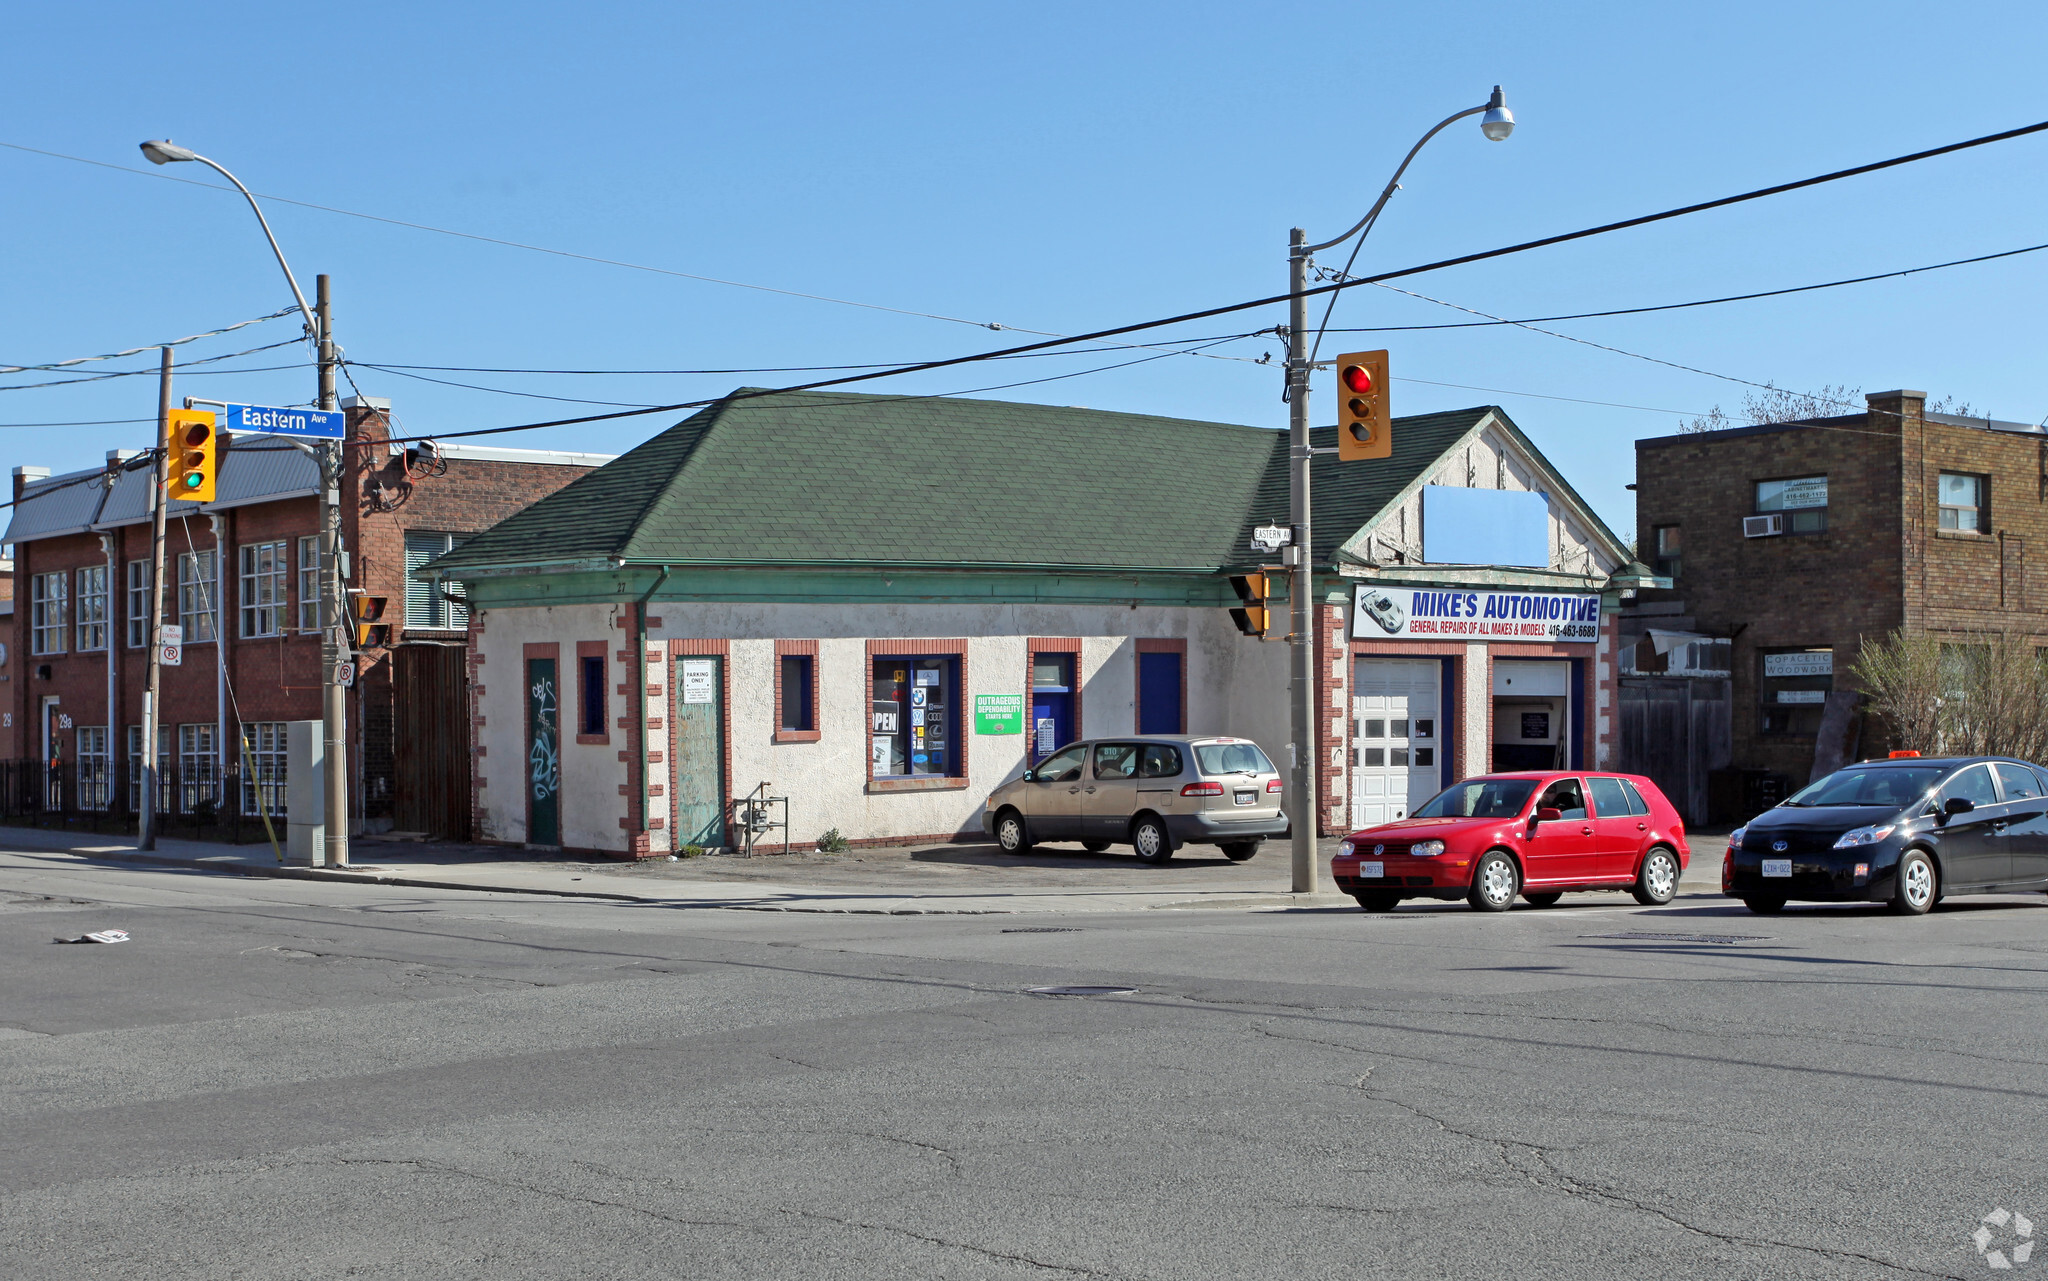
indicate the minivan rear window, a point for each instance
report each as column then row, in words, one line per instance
column 1232, row 758
column 1160, row 761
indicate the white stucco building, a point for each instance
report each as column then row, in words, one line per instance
column 881, row 608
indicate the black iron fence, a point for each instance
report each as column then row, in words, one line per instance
column 98, row 796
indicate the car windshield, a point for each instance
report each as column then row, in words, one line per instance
column 1480, row 798
column 1232, row 758
column 1893, row 786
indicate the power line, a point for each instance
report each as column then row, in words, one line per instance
column 1699, row 302
column 1273, row 299
column 137, row 373
column 136, row 351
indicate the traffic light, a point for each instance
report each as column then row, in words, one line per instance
column 1256, row 591
column 1363, row 429
column 192, row 446
column 370, row 633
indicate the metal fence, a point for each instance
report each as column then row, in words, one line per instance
column 99, row 796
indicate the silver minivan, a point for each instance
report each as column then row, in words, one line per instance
column 1152, row 793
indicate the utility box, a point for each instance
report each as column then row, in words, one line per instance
column 305, row 793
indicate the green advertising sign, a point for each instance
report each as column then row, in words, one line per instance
column 999, row 713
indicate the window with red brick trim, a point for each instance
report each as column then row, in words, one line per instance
column 796, row 691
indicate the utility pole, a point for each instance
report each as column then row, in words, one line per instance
column 334, row 648
column 153, row 663
column 1301, row 684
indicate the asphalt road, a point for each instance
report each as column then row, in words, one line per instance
column 310, row 1080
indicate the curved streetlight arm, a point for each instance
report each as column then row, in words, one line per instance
column 312, row 326
column 1392, row 183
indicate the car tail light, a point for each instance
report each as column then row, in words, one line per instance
column 1202, row 789
column 1273, row 785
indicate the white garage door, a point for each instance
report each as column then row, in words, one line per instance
column 1395, row 737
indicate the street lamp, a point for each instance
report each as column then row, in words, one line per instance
column 1304, row 807
column 333, row 651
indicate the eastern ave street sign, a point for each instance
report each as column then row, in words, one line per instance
column 309, row 424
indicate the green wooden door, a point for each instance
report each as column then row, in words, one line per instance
column 699, row 751
column 543, row 754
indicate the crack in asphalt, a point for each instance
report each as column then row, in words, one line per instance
column 1553, row 1179
column 424, row 1166
column 951, row 1245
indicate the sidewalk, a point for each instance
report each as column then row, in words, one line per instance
column 897, row 880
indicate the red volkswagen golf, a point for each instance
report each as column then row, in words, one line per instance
column 1539, row 835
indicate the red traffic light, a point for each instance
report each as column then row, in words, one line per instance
column 197, row 434
column 1356, row 378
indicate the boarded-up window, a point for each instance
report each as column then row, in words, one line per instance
column 426, row 597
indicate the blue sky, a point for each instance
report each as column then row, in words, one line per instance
column 1058, row 167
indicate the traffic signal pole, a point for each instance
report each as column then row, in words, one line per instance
column 1301, row 683
column 334, row 650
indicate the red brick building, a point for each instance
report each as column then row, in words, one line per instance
column 240, row 578
column 1797, row 542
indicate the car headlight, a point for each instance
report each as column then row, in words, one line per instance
column 1865, row 836
column 1735, row 839
column 1426, row 849
column 1344, row 850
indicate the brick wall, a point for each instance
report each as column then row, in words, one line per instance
column 1882, row 563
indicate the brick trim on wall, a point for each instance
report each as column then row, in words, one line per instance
column 813, row 734
column 1034, row 646
column 593, row 649
column 695, row 647
column 918, row 648
column 1157, row 645
column 532, row 650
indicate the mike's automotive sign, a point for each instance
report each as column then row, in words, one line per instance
column 1385, row 612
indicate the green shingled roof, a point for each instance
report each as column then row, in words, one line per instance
column 814, row 478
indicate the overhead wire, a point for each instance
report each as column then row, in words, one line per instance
column 1334, row 287
column 1698, row 302
column 136, row 351
column 153, row 371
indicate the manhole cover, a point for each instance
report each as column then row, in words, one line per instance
column 1082, row 990
column 1654, row 937
column 1043, row 929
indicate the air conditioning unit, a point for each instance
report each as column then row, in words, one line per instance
column 1763, row 526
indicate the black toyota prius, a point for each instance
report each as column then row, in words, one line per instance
column 1905, row 832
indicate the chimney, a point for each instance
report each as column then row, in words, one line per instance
column 26, row 476
column 1891, row 410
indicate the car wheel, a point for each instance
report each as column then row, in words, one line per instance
column 1095, row 847
column 1495, row 883
column 1239, row 851
column 1917, row 884
column 1546, row 899
column 1150, row 841
column 1378, row 901
column 1011, row 834
column 1764, row 906
column 1657, row 883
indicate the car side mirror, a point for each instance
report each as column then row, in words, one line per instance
column 1029, row 776
column 1549, row 815
column 1956, row 805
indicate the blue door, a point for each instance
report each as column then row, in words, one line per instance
column 1160, row 694
column 1052, row 704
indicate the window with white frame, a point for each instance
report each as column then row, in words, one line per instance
column 426, row 603
column 163, row 763
column 264, row 776
column 198, row 767
column 198, row 596
column 92, row 607
column 263, row 588
column 95, row 777
column 138, row 604
column 47, row 596
column 309, row 583
column 1962, row 502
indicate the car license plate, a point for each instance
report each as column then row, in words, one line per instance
column 1373, row 870
column 1777, row 867
column 1247, row 798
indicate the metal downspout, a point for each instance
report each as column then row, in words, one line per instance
column 640, row 666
